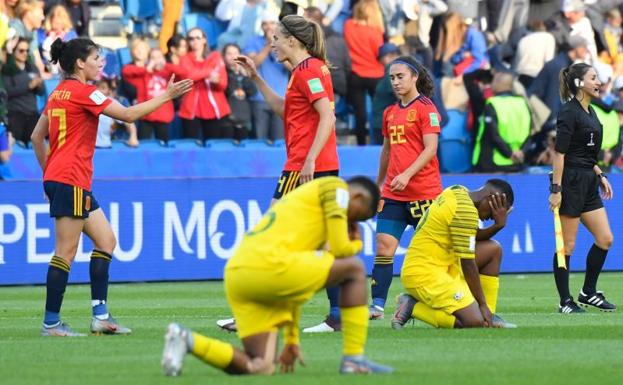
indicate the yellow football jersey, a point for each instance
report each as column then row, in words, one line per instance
column 298, row 222
column 445, row 234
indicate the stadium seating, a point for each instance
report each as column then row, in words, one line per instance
column 186, row 144
column 220, row 143
column 254, row 143
column 212, row 27
column 455, row 144
column 279, row 143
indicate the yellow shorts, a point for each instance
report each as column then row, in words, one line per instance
column 439, row 289
column 263, row 299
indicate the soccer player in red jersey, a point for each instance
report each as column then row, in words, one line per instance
column 408, row 169
column 70, row 119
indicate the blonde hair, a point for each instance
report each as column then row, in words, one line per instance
column 25, row 6
column 308, row 33
column 451, row 37
column 58, row 11
column 368, row 12
column 137, row 43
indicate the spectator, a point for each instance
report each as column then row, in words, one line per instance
column 330, row 9
column 80, row 16
column 240, row 88
column 203, row 109
column 6, row 149
column 504, row 132
column 177, row 46
column 461, row 48
column 150, row 80
column 4, row 23
column 572, row 21
column 612, row 35
column 384, row 95
column 533, row 51
column 364, row 36
column 30, row 18
column 605, row 109
column 107, row 125
column 268, row 125
column 245, row 21
column 546, row 85
column 171, row 13
column 57, row 24
column 10, row 8
column 504, row 16
column 337, row 53
column 420, row 14
column 23, row 83
column 139, row 51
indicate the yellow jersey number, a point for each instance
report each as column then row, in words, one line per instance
column 62, row 124
column 397, row 134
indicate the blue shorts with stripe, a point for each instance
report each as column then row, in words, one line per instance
column 394, row 216
column 289, row 180
column 69, row 201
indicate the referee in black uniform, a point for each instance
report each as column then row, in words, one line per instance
column 576, row 182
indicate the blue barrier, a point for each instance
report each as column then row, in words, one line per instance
column 186, row 229
column 220, row 159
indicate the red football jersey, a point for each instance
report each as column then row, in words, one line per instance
column 404, row 127
column 310, row 81
column 72, row 110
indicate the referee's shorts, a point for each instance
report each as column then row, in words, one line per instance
column 580, row 192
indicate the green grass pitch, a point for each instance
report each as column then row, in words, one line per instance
column 548, row 348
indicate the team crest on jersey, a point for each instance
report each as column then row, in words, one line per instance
column 411, row 115
column 458, row 295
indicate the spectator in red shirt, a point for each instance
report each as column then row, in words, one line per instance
column 364, row 36
column 150, row 81
column 204, row 108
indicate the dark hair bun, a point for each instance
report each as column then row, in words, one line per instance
column 56, row 49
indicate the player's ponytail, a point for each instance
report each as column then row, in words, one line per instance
column 66, row 53
column 424, row 84
column 308, row 33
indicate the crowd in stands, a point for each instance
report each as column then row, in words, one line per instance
column 495, row 62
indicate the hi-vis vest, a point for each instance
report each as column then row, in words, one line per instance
column 513, row 118
column 611, row 127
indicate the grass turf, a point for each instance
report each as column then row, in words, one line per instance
column 548, row 348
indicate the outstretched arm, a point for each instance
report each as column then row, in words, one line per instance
column 275, row 101
column 130, row 114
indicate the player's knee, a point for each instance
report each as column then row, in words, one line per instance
column 604, row 241
column 385, row 246
column 107, row 243
column 473, row 322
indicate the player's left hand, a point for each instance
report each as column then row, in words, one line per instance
column 499, row 212
column 606, row 189
column 486, row 314
column 288, row 358
column 307, row 172
column 399, row 182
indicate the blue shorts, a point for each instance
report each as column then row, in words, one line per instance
column 69, row 201
column 394, row 216
column 289, row 180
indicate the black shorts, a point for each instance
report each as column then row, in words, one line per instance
column 289, row 180
column 69, row 201
column 394, row 216
column 580, row 192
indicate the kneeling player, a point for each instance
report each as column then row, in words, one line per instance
column 277, row 268
column 452, row 279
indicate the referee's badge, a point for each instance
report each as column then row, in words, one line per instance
column 411, row 115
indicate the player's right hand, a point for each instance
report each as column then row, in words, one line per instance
column 554, row 200
column 288, row 358
column 247, row 64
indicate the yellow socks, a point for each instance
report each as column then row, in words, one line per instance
column 490, row 287
column 354, row 329
column 436, row 318
column 214, row 352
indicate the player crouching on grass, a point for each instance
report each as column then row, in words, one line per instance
column 451, row 267
column 277, row 268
